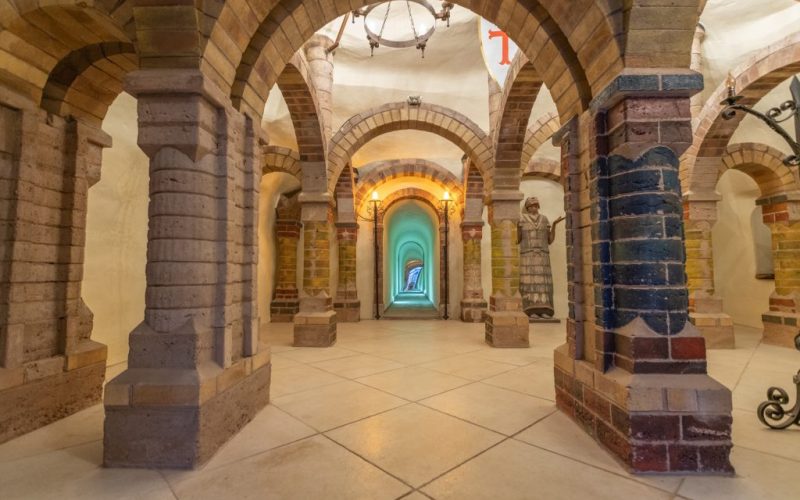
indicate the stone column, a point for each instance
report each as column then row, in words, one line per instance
column 473, row 305
column 196, row 370
column 347, row 305
column 705, row 310
column 285, row 300
column 49, row 366
column 782, row 321
column 506, row 324
column 315, row 324
column 642, row 390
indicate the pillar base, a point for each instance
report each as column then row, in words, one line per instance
column 507, row 329
column 473, row 311
column 41, row 392
column 717, row 328
column 653, row 423
column 781, row 328
column 178, row 418
column 347, row 311
column 283, row 310
column 315, row 329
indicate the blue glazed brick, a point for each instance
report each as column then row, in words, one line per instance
column 654, row 299
column 635, row 181
column 644, row 204
column 641, row 274
column 601, row 252
column 647, row 250
column 676, row 274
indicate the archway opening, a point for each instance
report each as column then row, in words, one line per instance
column 411, row 261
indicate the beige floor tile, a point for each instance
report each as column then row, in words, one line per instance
column 518, row 357
column 337, row 404
column 559, row 434
column 498, row 409
column 399, row 442
column 299, row 378
column 357, row 366
column 317, row 354
column 535, row 380
column 513, row 470
column 413, row 383
column 414, row 355
column 470, row 366
column 749, row 432
column 314, row 468
column 280, row 362
column 269, row 429
column 76, row 473
column 82, row 427
column 758, row 476
column 754, row 383
column 415, row 495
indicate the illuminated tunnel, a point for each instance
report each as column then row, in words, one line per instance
column 411, row 243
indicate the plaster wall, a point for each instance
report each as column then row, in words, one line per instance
column 116, row 234
column 745, row 298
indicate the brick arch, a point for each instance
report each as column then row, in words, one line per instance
column 447, row 123
column 520, row 92
column 412, row 194
column 543, row 169
column 87, row 80
column 280, row 159
column 386, row 171
column 303, row 110
column 569, row 50
column 754, row 79
column 42, row 37
column 764, row 164
column 537, row 134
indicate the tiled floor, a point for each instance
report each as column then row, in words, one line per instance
column 417, row 410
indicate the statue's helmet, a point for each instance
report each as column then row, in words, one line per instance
column 531, row 201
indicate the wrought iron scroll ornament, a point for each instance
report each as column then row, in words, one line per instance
column 773, row 118
column 772, row 412
column 419, row 40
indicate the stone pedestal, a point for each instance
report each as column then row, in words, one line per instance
column 473, row 305
column 781, row 328
column 315, row 324
column 197, row 372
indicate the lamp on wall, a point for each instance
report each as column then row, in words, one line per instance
column 447, row 209
column 773, row 118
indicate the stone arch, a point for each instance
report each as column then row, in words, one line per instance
column 764, row 164
column 754, row 79
column 386, row 171
column 572, row 52
column 43, row 36
column 445, row 122
column 543, row 169
column 537, row 134
column 520, row 92
column 87, row 80
column 280, row 159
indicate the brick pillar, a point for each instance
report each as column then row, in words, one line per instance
column 315, row 324
column 640, row 387
column 49, row 366
column 782, row 216
column 285, row 300
column 473, row 305
column 506, row 324
column 705, row 310
column 196, row 370
column 347, row 305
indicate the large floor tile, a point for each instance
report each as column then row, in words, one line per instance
column 469, row 366
column 299, row 378
column 76, row 473
column 414, row 383
column 749, row 432
column 492, row 407
column 360, row 365
column 400, row 442
column 337, row 404
column 758, row 476
column 317, row 354
column 513, row 470
column 79, row 428
column 535, row 380
column 314, row 468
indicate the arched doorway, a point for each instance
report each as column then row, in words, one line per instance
column 411, row 261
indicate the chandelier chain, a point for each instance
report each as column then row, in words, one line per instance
column 385, row 18
column 411, row 18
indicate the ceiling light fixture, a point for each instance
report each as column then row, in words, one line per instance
column 421, row 32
